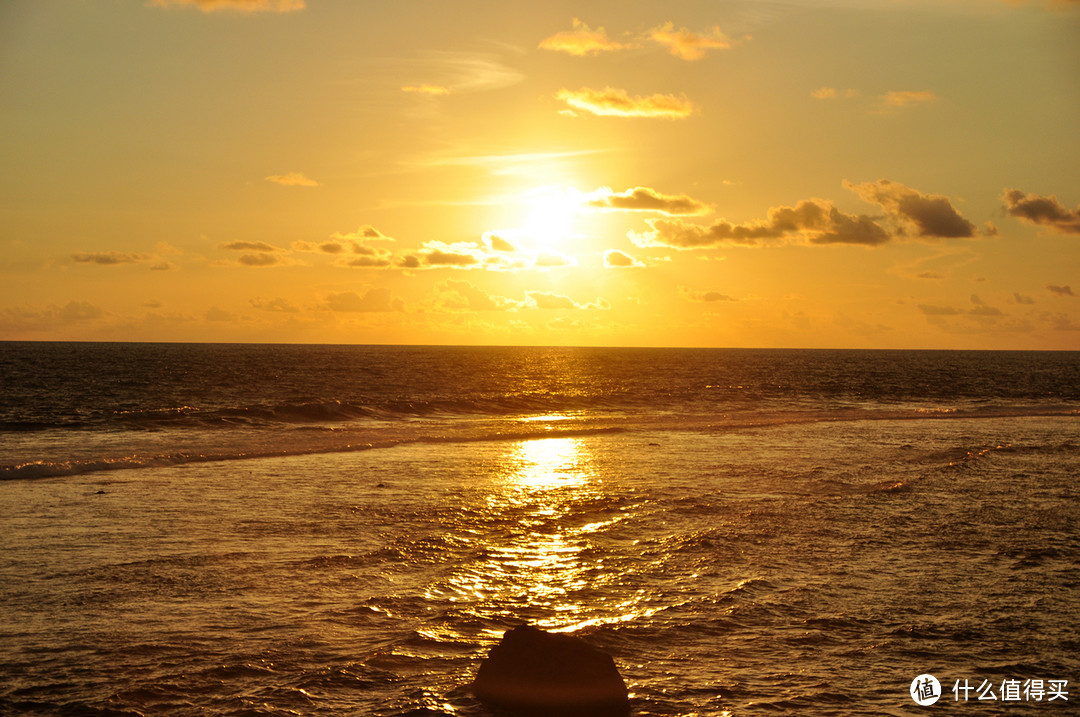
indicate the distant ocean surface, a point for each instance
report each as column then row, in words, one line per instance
column 347, row 530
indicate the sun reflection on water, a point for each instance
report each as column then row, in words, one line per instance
column 540, row 539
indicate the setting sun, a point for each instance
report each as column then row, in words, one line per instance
column 551, row 217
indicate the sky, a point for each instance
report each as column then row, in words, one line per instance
column 797, row 173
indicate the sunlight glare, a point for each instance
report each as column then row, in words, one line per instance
column 551, row 215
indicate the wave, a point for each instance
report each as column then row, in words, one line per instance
column 310, row 428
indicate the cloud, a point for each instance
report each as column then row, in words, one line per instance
column 615, row 259
column 292, row 179
column 980, row 309
column 548, row 259
column 908, row 213
column 930, row 215
column 1060, row 290
column 246, row 6
column 495, row 242
column 1021, row 299
column 377, row 299
column 903, row 98
column 426, row 89
column 548, row 301
column 1044, row 211
column 455, row 72
column 109, row 258
column 215, row 313
column 461, row 295
column 581, row 41
column 262, row 259
column 276, row 305
column 814, row 221
column 688, row 45
column 644, row 199
column 831, row 93
column 707, row 297
column 355, row 244
column 611, row 102
column 461, row 255
column 250, row 246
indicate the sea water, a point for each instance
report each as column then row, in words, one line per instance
column 332, row 530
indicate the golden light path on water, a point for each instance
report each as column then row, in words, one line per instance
column 535, row 537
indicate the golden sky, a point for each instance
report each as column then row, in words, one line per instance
column 798, row 173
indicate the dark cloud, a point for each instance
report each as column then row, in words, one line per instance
column 929, row 215
column 377, row 299
column 1021, row 299
column 707, row 297
column 250, row 246
column 813, row 221
column 262, row 259
column 438, row 257
column 1060, row 290
column 109, row 258
column 645, row 199
column 1044, row 211
column 370, row 262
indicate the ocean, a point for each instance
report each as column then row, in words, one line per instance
column 347, row 530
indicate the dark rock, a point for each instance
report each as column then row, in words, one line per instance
column 537, row 673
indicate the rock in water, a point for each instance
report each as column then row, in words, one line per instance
column 537, row 673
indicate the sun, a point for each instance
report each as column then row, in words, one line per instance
column 550, row 216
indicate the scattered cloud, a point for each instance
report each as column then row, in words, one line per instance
column 1060, row 290
column 707, row 297
column 459, row 295
column 612, row 102
column 246, row 6
column 293, row 179
column 261, row 259
column 581, row 41
column 831, row 93
column 687, row 45
column 215, row 313
column 979, row 309
column 110, row 258
column 908, row 214
column 813, row 221
column 929, row 215
column 457, row 72
column 376, row 299
column 900, row 99
column 1044, row 211
column 276, row 305
column 549, row 301
column 644, row 199
column 250, row 246
column 17, row 319
column 426, row 89
column 929, row 275
column 549, row 259
column 615, row 259
column 496, row 242
column 1021, row 299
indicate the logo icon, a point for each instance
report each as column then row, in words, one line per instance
column 925, row 690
